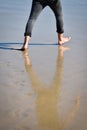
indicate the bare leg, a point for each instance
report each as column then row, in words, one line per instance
column 62, row 39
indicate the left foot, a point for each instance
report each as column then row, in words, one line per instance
column 64, row 40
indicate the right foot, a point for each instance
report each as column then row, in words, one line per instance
column 64, row 40
column 23, row 49
column 25, row 45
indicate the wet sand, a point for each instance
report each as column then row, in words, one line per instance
column 43, row 88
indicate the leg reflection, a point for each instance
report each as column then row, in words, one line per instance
column 48, row 97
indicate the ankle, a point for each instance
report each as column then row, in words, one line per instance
column 26, row 41
column 60, row 36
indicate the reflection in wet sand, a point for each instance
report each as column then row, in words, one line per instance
column 47, row 97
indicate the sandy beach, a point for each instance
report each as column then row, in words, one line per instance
column 45, row 87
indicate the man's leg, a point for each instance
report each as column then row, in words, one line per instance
column 37, row 7
column 57, row 9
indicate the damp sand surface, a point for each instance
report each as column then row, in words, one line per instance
column 45, row 87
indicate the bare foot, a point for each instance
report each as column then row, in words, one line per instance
column 25, row 45
column 64, row 40
column 23, row 49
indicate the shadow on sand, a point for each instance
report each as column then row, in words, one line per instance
column 8, row 46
